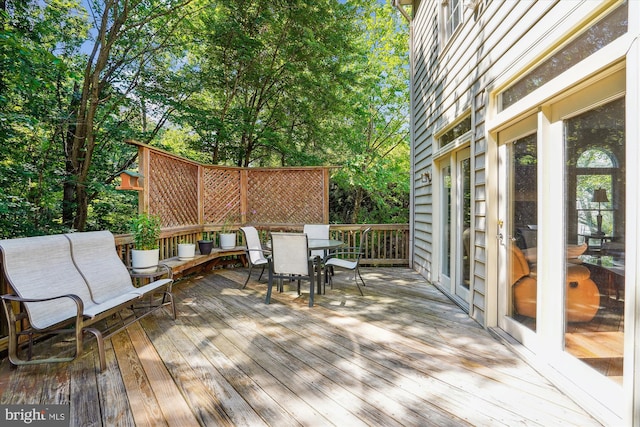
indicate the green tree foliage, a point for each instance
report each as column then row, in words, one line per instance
column 269, row 75
column 34, row 39
column 373, row 182
column 244, row 82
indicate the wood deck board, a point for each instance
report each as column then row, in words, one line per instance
column 265, row 375
column 306, row 342
column 303, row 375
column 401, row 355
column 170, row 400
column 144, row 405
column 454, row 354
column 211, row 396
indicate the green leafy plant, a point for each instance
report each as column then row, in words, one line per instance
column 146, row 231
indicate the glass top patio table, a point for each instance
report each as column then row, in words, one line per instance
column 325, row 244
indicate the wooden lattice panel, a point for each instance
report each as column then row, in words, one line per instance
column 184, row 192
column 285, row 196
column 173, row 190
column 221, row 195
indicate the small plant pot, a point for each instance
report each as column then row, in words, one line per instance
column 205, row 246
column 227, row 240
column 186, row 251
column 145, row 261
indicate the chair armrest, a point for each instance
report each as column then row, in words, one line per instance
column 265, row 252
column 17, row 298
column 76, row 299
column 345, row 251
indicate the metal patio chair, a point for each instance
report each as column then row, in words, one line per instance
column 255, row 254
column 348, row 259
column 290, row 260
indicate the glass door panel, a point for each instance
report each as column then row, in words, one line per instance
column 522, row 229
column 463, row 219
column 445, row 237
column 595, row 211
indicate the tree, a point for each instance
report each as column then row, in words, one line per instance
column 270, row 74
column 35, row 43
column 375, row 170
column 246, row 82
column 127, row 35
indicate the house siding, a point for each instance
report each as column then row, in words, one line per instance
column 496, row 44
column 448, row 80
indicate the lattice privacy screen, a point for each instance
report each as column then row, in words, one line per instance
column 184, row 192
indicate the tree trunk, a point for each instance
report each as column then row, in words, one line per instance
column 357, row 204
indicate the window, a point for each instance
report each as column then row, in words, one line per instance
column 596, row 172
column 595, row 210
column 455, row 132
column 595, row 38
column 452, row 17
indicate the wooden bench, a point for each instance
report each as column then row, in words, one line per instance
column 66, row 284
column 218, row 257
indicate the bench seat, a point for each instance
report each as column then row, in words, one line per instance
column 72, row 279
column 217, row 257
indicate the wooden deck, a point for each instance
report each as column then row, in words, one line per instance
column 403, row 354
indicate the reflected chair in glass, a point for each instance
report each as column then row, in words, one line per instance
column 255, row 254
column 290, row 260
column 582, row 294
column 347, row 259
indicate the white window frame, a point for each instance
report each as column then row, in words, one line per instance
column 447, row 15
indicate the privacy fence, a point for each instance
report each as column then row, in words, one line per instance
column 183, row 192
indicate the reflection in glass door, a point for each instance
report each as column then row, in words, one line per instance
column 595, row 241
column 518, row 232
column 455, row 234
column 463, row 219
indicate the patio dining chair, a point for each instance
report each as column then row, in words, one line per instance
column 348, row 259
column 255, row 254
column 290, row 259
column 317, row 231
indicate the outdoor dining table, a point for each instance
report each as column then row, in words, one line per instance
column 326, row 244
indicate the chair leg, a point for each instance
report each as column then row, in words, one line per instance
column 356, row 274
column 249, row 276
column 358, row 270
column 269, row 286
column 312, row 286
column 329, row 277
column 262, row 272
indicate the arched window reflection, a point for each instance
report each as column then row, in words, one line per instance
column 594, row 191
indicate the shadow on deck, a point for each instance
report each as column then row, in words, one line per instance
column 403, row 354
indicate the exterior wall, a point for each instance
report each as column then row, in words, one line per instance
column 495, row 45
column 493, row 42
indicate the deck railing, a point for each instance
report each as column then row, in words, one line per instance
column 387, row 244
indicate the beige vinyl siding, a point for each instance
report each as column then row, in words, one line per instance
column 505, row 36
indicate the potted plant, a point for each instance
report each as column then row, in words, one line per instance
column 227, row 236
column 145, row 256
column 205, row 246
column 186, row 250
column 228, row 232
